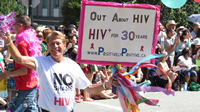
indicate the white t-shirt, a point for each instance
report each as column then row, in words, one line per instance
column 187, row 62
column 58, row 82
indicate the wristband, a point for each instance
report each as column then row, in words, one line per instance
column 9, row 43
column 104, row 85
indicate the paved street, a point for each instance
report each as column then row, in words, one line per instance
column 181, row 102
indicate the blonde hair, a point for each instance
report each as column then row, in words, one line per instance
column 162, row 59
column 56, row 33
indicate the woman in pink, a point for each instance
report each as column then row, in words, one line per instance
column 163, row 65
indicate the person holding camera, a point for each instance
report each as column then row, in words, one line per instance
column 72, row 46
column 185, row 38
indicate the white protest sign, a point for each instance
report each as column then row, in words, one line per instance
column 112, row 34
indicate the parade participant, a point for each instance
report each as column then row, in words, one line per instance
column 59, row 76
column 26, row 80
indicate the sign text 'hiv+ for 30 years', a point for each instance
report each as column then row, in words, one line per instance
column 100, row 33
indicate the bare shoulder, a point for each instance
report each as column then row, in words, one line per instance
column 160, row 64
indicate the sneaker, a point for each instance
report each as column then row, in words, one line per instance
column 80, row 96
column 77, row 97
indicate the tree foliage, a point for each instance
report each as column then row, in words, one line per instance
column 7, row 6
column 71, row 11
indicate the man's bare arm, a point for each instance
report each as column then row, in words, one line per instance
column 19, row 72
column 23, row 60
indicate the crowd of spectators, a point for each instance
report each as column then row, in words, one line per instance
column 180, row 46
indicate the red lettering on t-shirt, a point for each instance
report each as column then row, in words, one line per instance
column 61, row 101
column 67, row 101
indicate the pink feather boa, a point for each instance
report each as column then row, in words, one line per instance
column 35, row 49
column 30, row 37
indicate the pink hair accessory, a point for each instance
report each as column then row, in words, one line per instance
column 7, row 22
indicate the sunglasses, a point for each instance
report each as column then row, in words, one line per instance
column 17, row 23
